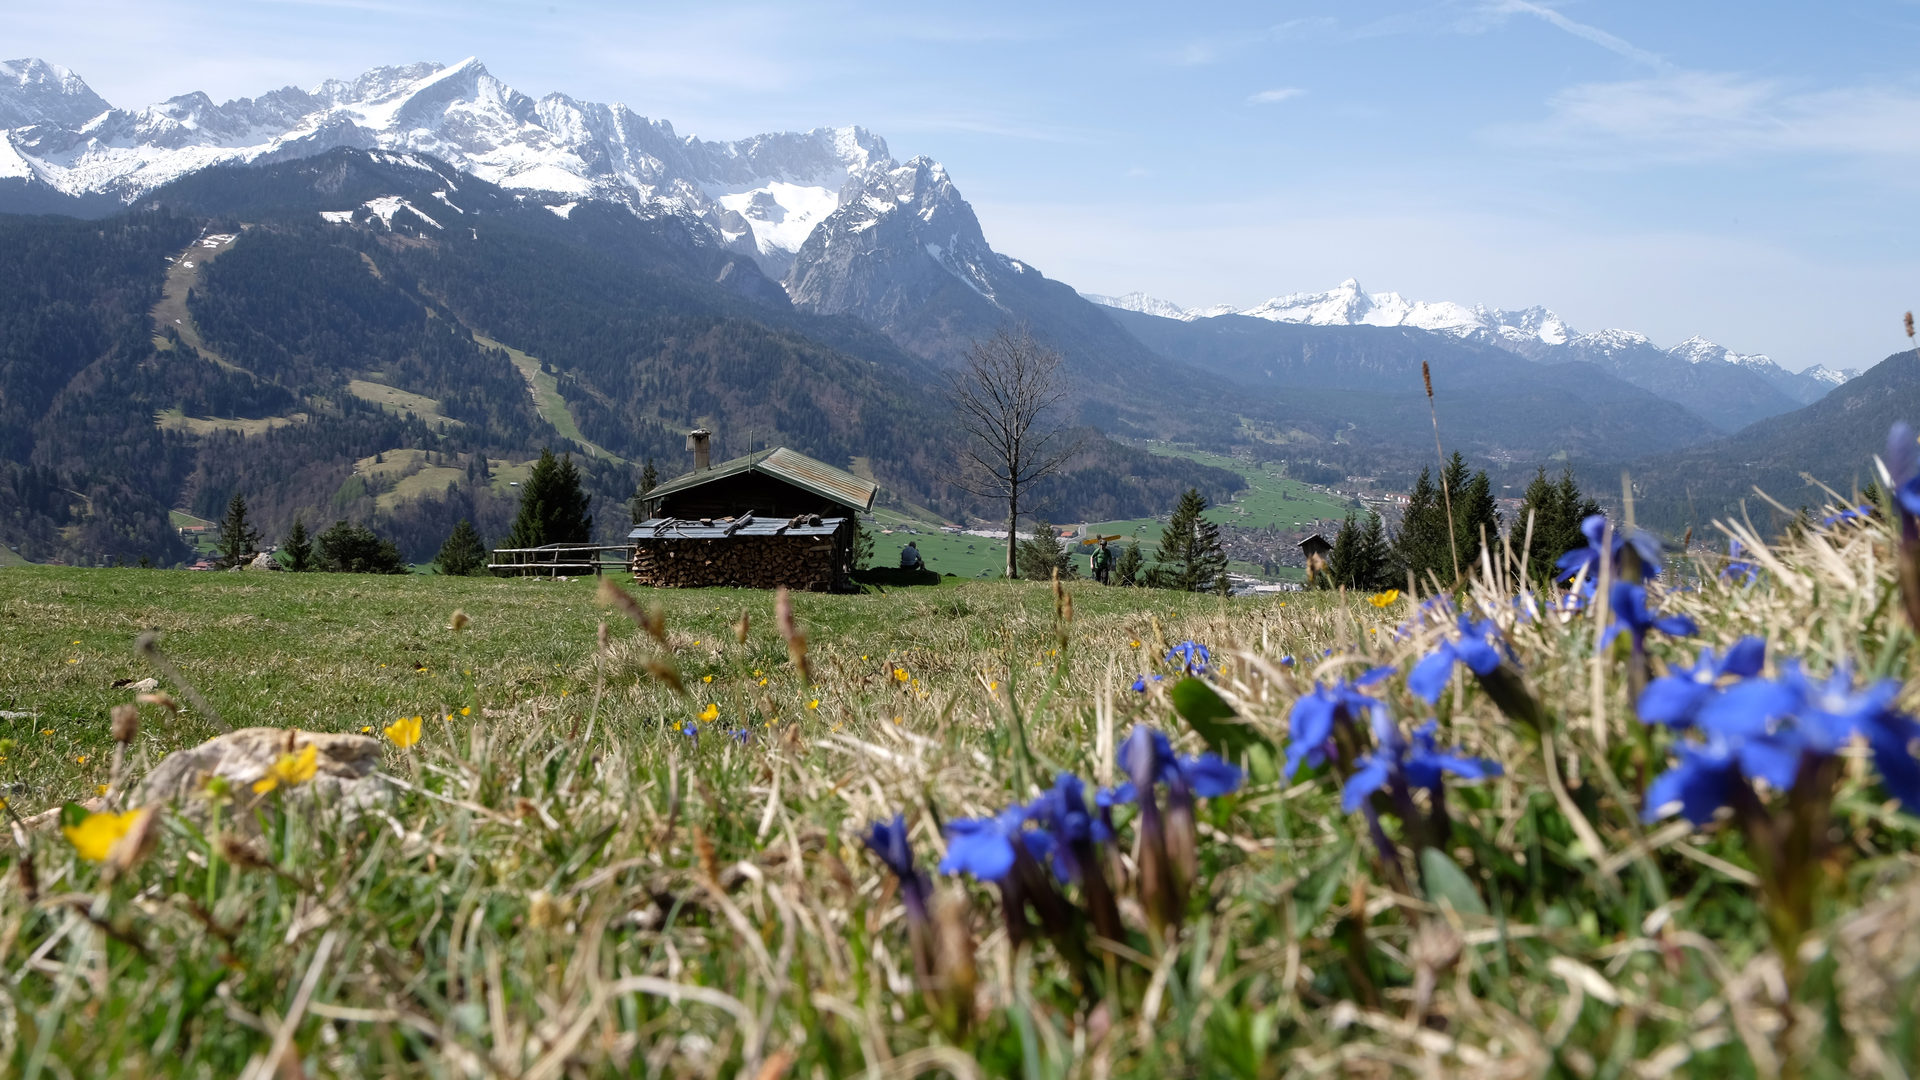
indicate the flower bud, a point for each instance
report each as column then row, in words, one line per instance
column 126, row 723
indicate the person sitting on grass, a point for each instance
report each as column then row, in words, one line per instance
column 910, row 557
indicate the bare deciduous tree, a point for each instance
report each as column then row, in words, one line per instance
column 1004, row 397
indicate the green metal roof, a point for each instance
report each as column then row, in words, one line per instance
column 786, row 465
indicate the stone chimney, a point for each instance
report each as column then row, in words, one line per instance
column 697, row 441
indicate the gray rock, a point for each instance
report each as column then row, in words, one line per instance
column 347, row 776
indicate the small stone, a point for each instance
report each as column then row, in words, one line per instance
column 347, row 776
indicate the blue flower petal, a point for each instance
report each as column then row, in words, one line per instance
column 1745, row 657
column 1746, row 710
column 1430, row 676
column 1699, row 783
column 977, row 847
column 1672, row 701
column 1369, row 778
column 1209, row 777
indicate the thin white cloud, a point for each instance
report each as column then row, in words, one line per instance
column 1268, row 97
column 1580, row 30
column 1705, row 116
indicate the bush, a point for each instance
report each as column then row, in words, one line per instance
column 347, row 548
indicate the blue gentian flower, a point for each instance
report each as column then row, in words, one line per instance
column 1675, row 699
column 983, row 847
column 1061, row 810
column 1645, row 545
column 691, row 731
column 1903, row 467
column 1310, row 722
column 1411, row 763
column 1851, row 513
column 1286, row 661
column 741, row 735
column 1701, row 783
column 1430, row 675
column 1631, row 615
column 1765, row 729
column 888, row 840
column 1738, row 567
column 1140, row 684
column 1192, row 657
column 1206, row 775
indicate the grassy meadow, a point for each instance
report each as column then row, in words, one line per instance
column 562, row 880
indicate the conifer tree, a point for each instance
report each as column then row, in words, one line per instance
column 649, row 476
column 298, row 548
column 553, row 508
column 1126, row 569
column 1377, row 555
column 1190, row 557
column 463, row 554
column 1558, row 508
column 1042, row 555
column 239, row 540
column 1421, row 545
column 1361, row 558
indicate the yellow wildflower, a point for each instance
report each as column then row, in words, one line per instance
column 100, row 790
column 1134, row 644
column 366, row 731
column 466, row 710
column 75, row 660
column 292, row 769
column 814, row 704
column 96, row 835
column 711, row 712
column 706, row 678
column 404, row 732
column 1381, row 600
column 73, row 643
column 757, row 673
column 763, row 682
column 901, row 674
column 81, row 760
column 46, row 731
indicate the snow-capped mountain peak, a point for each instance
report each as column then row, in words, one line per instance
column 761, row 195
column 1536, row 332
column 36, row 92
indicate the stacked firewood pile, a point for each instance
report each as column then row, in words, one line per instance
column 804, row 563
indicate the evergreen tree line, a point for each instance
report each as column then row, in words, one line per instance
column 553, row 510
column 1364, row 558
column 1189, row 557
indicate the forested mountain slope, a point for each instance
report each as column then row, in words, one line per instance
column 1832, row 441
column 346, row 353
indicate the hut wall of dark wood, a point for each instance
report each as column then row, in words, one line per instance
column 729, row 496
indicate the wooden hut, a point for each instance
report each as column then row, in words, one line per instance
column 770, row 518
column 1314, row 547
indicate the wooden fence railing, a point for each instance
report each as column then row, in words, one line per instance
column 561, row 560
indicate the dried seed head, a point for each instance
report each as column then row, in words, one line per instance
column 796, row 641
column 1909, row 324
column 665, row 671
column 545, row 910
column 783, row 612
column 126, row 723
column 1426, row 376
column 709, row 860
column 741, row 627
column 653, row 621
column 243, row 853
column 459, row 621
column 602, row 637
column 162, row 699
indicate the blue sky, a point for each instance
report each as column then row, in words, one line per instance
column 1745, row 172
